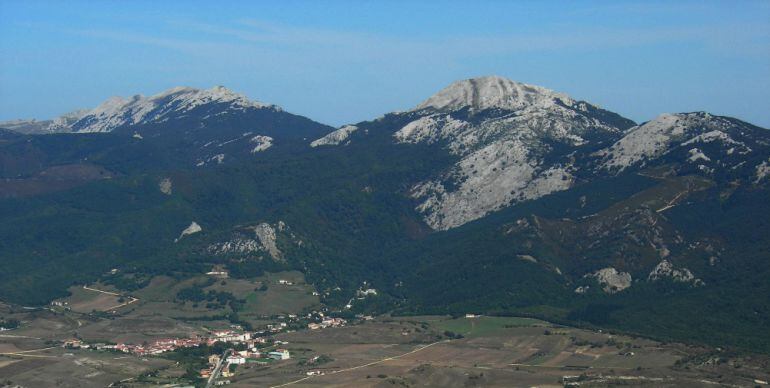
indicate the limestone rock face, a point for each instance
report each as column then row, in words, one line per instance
column 611, row 279
column 254, row 240
column 513, row 142
column 667, row 270
column 192, row 229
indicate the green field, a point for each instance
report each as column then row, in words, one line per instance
column 279, row 298
column 483, row 326
column 87, row 300
column 159, row 298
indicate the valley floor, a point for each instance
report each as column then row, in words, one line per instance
column 366, row 352
column 505, row 352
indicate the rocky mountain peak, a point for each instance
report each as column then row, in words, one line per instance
column 692, row 131
column 493, row 92
column 119, row 111
column 504, row 133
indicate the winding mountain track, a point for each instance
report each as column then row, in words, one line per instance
column 672, row 202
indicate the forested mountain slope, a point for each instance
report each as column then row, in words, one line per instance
column 492, row 196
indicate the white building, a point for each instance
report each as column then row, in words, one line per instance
column 238, row 360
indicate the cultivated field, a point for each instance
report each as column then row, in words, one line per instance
column 279, row 298
column 159, row 297
column 32, row 356
column 505, row 352
column 93, row 298
column 73, row 368
column 383, row 352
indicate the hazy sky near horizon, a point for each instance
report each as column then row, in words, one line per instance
column 344, row 62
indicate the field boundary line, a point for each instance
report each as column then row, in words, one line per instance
column 102, row 291
column 26, row 353
column 18, row 336
column 131, row 298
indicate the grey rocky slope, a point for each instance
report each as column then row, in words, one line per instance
column 513, row 142
column 118, row 112
column 516, row 142
column 713, row 146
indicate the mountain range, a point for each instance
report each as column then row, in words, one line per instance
column 491, row 196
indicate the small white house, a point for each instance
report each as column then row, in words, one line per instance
column 238, row 360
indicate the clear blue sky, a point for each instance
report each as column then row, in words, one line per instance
column 342, row 62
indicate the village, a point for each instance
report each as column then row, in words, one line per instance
column 256, row 347
column 314, row 347
column 226, row 347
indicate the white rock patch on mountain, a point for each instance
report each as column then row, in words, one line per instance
column 261, row 143
column 612, row 280
column 696, row 155
column 336, row 137
column 501, row 151
column 490, row 179
column 117, row 112
column 192, row 229
column 430, row 129
column 493, row 92
column 645, row 141
column 218, row 158
column 253, row 239
column 667, row 131
column 665, row 269
column 582, row 289
column 266, row 235
column 763, row 171
column 165, row 186
column 716, row 135
column 235, row 245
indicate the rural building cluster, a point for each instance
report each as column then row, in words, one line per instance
column 170, row 344
column 326, row 322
